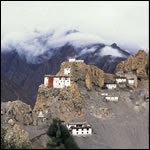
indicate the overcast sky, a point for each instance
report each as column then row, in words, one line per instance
column 125, row 23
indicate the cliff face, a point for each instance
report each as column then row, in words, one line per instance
column 64, row 104
column 80, row 71
column 138, row 64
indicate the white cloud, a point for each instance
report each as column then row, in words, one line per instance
column 107, row 50
column 125, row 23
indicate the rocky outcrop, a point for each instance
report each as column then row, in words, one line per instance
column 12, row 115
column 80, row 71
column 17, row 134
column 138, row 64
column 64, row 104
column 17, row 111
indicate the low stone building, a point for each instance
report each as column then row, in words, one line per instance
column 79, row 128
column 112, row 98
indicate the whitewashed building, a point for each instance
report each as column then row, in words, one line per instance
column 61, row 82
column 104, row 94
column 41, row 116
column 111, row 86
column 57, row 81
column 80, row 129
column 112, row 98
column 121, row 80
column 67, row 71
column 74, row 60
column 131, row 81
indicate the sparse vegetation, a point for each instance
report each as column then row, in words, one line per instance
column 60, row 137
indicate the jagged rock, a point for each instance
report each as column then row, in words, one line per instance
column 17, row 110
column 80, row 71
column 138, row 64
column 17, row 134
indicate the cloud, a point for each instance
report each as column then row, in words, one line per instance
column 125, row 23
column 107, row 50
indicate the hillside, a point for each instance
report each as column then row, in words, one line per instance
column 121, row 124
column 27, row 75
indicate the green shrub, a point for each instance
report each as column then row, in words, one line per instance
column 60, row 136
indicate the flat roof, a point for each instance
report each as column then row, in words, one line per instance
column 56, row 76
column 86, row 127
column 76, row 123
column 121, row 77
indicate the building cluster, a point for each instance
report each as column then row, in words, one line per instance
column 57, row 81
column 60, row 81
column 118, row 80
column 79, row 128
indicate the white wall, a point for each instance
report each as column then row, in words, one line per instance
column 67, row 71
column 131, row 82
column 104, row 94
column 119, row 80
column 111, row 86
column 84, row 131
column 46, row 81
column 114, row 99
column 61, row 82
column 58, row 83
column 72, row 59
column 67, row 82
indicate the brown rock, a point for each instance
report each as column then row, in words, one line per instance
column 138, row 64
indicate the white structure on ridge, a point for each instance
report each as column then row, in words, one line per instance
column 121, row 80
column 41, row 116
column 57, row 81
column 112, row 99
column 74, row 60
column 67, row 71
column 104, row 94
column 61, row 82
column 111, row 85
column 131, row 81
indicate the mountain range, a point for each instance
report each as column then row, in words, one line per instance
column 27, row 62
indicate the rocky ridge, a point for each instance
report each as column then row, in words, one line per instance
column 138, row 64
column 82, row 101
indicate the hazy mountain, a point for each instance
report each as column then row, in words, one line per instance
column 26, row 63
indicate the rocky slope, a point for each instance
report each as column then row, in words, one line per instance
column 124, row 124
column 16, row 67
